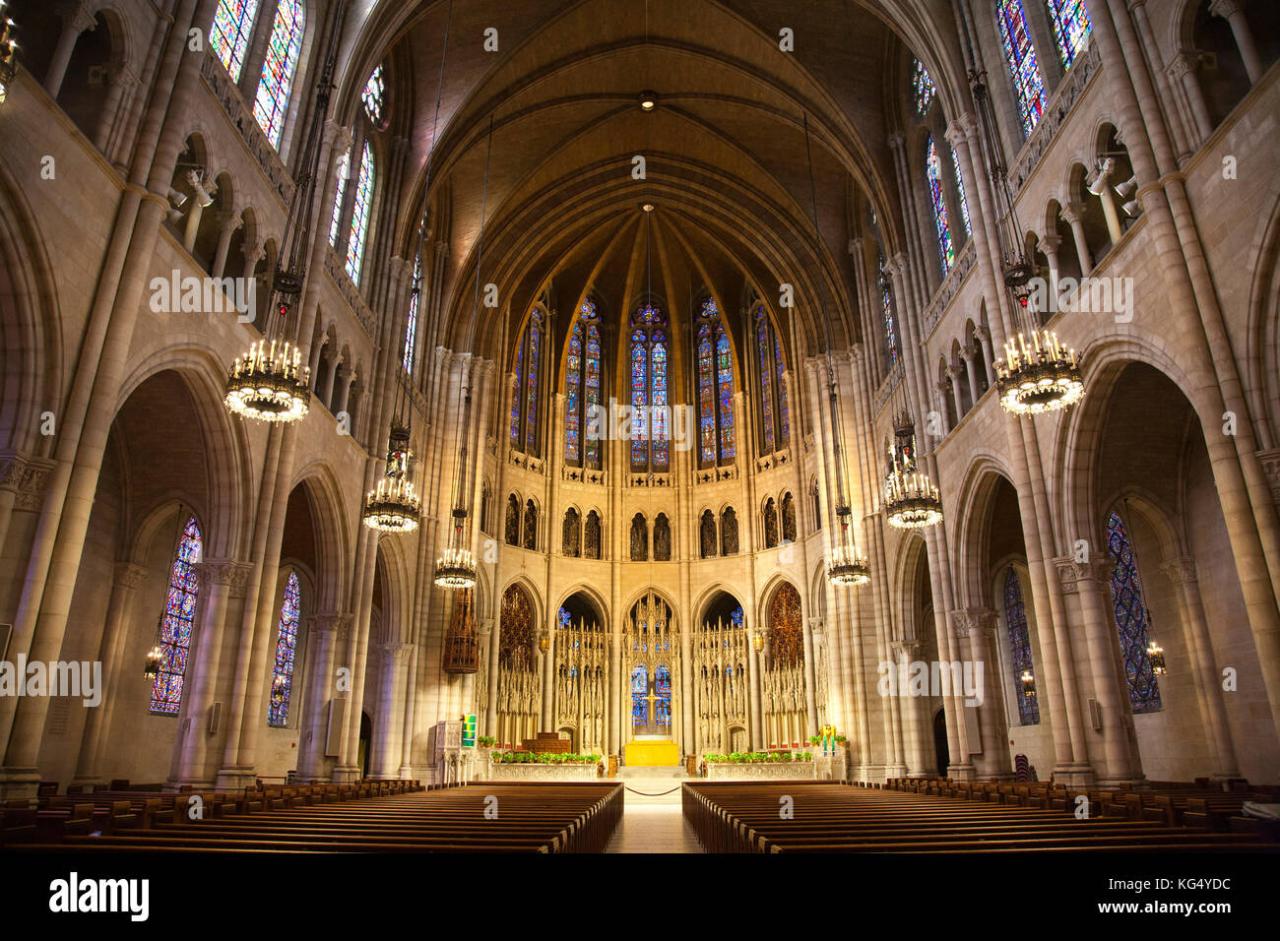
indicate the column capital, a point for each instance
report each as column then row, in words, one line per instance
column 227, row 572
column 1181, row 65
column 1051, row 243
column 332, row 623
column 971, row 621
column 26, row 476
column 76, row 15
column 1225, row 8
column 895, row 141
column 960, row 130
column 1181, row 571
column 1070, row 212
column 338, row 137
column 905, row 648
column 1071, row 573
column 395, row 652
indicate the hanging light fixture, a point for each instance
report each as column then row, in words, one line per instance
column 269, row 382
column 151, row 668
column 1038, row 373
column 845, row 565
column 456, row 566
column 911, row 501
column 392, row 506
column 1028, row 681
column 1155, row 653
column 8, row 57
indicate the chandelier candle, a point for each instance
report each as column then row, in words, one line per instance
column 269, row 383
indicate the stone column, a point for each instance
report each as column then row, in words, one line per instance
column 1233, row 12
column 984, row 337
column 1182, row 573
column 386, row 758
column 976, row 628
column 326, row 392
column 954, row 375
column 345, row 378
column 76, row 18
column 916, row 722
column 228, row 222
column 120, row 80
column 222, row 582
column 1049, row 244
column 968, row 354
column 1182, row 76
column 97, row 724
column 1071, row 214
column 755, row 703
column 1108, row 199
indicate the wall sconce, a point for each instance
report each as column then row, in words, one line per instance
column 1028, row 684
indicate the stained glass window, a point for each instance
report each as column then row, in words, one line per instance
column 786, row 633
column 286, row 654
column 650, row 402
column 890, row 321
column 1015, row 619
column 715, row 388
column 639, row 697
column 1132, row 619
column 933, row 169
column 374, row 96
column 335, row 224
column 362, row 206
column 411, row 319
column 922, row 87
column 232, row 26
column 1020, row 57
column 1071, row 28
column 583, row 370
column 964, row 200
column 515, row 643
column 662, row 689
column 775, row 414
column 176, row 622
column 526, row 401
column 275, row 86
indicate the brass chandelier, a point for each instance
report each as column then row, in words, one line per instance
column 8, row 57
column 1037, row 373
column 392, row 506
column 911, row 501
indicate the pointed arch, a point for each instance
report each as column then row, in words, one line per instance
column 1020, row 60
column 1071, row 28
column 650, row 391
column 584, row 372
column 279, row 69
column 775, row 412
column 232, row 28
column 286, row 653
column 177, row 621
column 717, row 436
column 526, row 405
column 941, row 222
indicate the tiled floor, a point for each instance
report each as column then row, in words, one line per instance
column 652, row 821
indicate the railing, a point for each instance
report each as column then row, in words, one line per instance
column 241, row 117
column 949, row 288
column 1064, row 99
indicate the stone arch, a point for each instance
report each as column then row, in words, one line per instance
column 974, row 502
column 594, row 600
column 327, row 511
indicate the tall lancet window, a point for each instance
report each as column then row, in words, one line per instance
column 411, row 320
column 176, row 622
column 1015, row 619
column 964, row 200
column 888, row 318
column 1133, row 621
column 374, row 96
column 275, row 86
column 583, row 369
column 526, row 400
column 716, row 435
column 775, row 413
column 650, row 399
column 361, row 208
column 1071, row 28
column 933, row 170
column 229, row 36
column 922, row 88
column 286, row 654
column 1020, row 58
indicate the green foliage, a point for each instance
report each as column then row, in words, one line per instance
column 757, row 757
column 543, row 758
column 487, row 741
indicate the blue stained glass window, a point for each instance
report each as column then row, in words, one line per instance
column 662, row 689
column 1071, row 28
column 922, row 87
column 374, row 96
column 639, row 697
column 715, row 388
column 1133, row 621
column 1015, row 618
column 339, row 195
column 933, row 168
column 890, row 321
column 1020, row 57
column 360, row 210
column 526, row 401
column 775, row 414
column 964, row 200
column 286, row 653
column 275, row 86
column 650, row 435
column 176, row 622
column 736, row 617
column 411, row 320
column 582, row 388
column 229, row 36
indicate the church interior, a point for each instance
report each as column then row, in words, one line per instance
column 638, row 415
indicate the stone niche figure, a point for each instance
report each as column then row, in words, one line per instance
column 707, row 534
column 770, row 524
column 572, row 533
column 661, row 539
column 639, row 539
column 729, row 532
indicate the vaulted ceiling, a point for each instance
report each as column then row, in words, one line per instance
column 554, row 114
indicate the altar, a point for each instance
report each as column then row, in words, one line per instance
column 651, row 752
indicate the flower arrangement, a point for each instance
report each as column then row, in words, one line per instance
column 544, row 758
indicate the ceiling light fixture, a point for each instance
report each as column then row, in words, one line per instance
column 648, row 101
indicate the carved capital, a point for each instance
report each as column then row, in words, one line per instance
column 226, row 572
column 1225, row 8
column 339, row 138
column 1050, row 244
column 339, row 625
column 26, row 476
column 1072, row 574
column 1270, row 467
column 1181, row 571
column 971, row 622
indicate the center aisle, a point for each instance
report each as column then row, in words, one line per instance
column 652, row 821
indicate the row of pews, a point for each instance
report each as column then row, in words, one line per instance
column 1170, row 802
column 819, row 817
column 368, row 817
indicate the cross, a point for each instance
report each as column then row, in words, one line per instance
column 653, row 698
